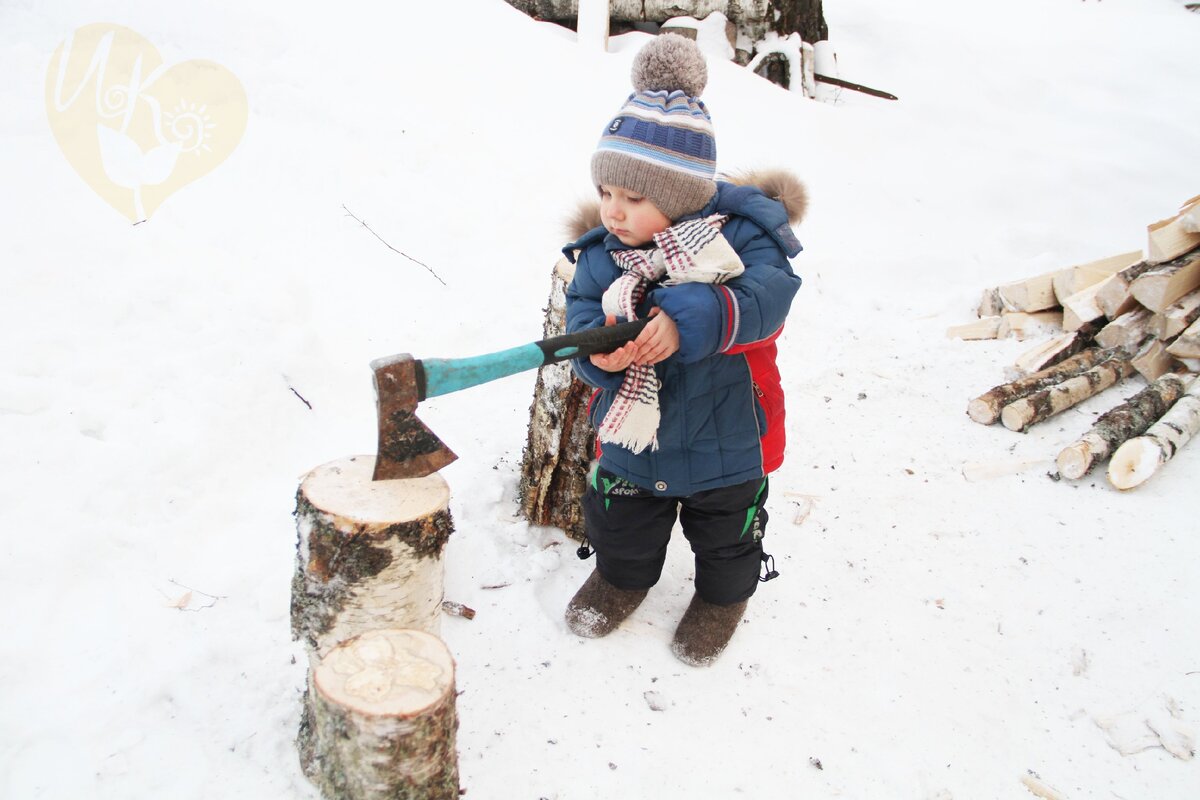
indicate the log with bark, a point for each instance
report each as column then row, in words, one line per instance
column 1119, row 424
column 1021, row 414
column 558, row 449
column 368, row 553
column 1153, row 361
column 1165, row 284
column 1128, row 330
column 1030, row 294
column 1075, row 279
column 379, row 719
column 1140, row 458
column 1187, row 344
column 986, row 408
column 1083, row 307
column 1115, row 295
column 1175, row 235
column 1050, row 352
column 1175, row 319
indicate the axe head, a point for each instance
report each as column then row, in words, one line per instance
column 407, row 448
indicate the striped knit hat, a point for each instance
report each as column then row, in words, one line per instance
column 660, row 144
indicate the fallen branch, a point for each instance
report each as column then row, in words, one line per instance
column 855, row 87
column 1121, row 423
column 1139, row 459
column 350, row 214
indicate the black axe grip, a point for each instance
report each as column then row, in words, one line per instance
column 594, row 340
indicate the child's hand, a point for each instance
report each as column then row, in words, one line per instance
column 658, row 341
column 619, row 359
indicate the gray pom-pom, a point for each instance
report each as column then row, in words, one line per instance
column 670, row 62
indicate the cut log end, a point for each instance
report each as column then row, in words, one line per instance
column 983, row 412
column 386, row 673
column 345, row 489
column 1075, row 461
column 1134, row 463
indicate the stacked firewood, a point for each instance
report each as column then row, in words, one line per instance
column 1130, row 314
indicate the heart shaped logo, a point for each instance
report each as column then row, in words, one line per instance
column 135, row 130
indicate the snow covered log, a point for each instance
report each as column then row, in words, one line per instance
column 986, row 408
column 983, row 328
column 368, row 554
column 1141, row 458
column 379, row 719
column 1022, row 325
column 1032, row 409
column 1167, row 283
column 1119, row 424
column 1030, row 294
column 558, row 447
column 1175, row 235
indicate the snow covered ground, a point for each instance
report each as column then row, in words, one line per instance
column 930, row 637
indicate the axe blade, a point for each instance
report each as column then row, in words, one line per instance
column 407, row 447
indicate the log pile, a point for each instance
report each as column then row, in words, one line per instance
column 1132, row 314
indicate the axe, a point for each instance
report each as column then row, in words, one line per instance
column 409, row 449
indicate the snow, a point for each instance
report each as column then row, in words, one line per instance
column 929, row 636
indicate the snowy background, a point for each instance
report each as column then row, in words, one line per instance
column 930, row 637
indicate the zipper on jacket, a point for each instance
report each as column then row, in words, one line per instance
column 757, row 390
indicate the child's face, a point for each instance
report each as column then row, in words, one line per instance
column 630, row 217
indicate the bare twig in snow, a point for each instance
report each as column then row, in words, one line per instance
column 350, row 214
column 302, row 400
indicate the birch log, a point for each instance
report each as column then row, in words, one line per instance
column 1114, row 296
column 1187, row 344
column 1121, row 423
column 368, row 555
column 1177, row 316
column 1021, row 414
column 1050, row 352
column 379, row 719
column 1075, row 279
column 1175, row 235
column 1128, row 330
column 558, row 448
column 1141, row 458
column 1153, row 361
column 1167, row 283
column 986, row 408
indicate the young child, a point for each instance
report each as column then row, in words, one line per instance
column 690, row 415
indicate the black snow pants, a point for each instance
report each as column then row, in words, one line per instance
column 629, row 527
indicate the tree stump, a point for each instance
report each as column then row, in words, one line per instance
column 368, row 553
column 559, row 447
column 380, row 719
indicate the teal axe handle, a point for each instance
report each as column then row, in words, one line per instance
column 438, row 376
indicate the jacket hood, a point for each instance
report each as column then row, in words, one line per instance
column 777, row 184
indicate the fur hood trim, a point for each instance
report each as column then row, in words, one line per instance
column 778, row 184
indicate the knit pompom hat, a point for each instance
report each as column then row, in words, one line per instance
column 660, row 144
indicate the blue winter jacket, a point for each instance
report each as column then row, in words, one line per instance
column 712, row 414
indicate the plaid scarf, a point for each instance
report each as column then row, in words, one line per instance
column 690, row 252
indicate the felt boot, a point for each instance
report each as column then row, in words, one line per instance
column 705, row 630
column 599, row 607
